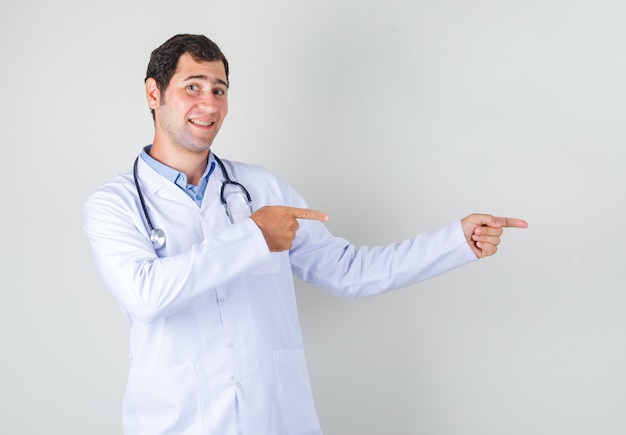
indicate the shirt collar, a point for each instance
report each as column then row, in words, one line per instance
column 172, row 174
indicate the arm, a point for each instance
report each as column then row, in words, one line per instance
column 148, row 287
column 347, row 271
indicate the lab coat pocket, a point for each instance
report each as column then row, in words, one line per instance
column 294, row 391
column 166, row 400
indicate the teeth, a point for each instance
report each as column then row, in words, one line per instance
column 202, row 123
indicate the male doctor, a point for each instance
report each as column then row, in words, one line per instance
column 215, row 341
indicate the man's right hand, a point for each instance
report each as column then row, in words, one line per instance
column 279, row 224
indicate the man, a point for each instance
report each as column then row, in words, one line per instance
column 215, row 341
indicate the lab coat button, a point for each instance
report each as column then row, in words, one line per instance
column 231, row 345
column 222, row 300
column 202, row 213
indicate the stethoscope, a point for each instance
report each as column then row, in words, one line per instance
column 157, row 236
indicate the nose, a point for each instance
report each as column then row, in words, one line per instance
column 208, row 102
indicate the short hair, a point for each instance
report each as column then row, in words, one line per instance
column 164, row 59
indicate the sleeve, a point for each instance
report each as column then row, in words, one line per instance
column 333, row 263
column 149, row 287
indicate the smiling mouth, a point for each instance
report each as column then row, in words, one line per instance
column 202, row 123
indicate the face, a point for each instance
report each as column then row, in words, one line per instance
column 191, row 111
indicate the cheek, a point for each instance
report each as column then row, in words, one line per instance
column 177, row 99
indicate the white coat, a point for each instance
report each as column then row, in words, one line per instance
column 215, row 341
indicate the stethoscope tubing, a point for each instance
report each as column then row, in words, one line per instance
column 157, row 236
column 234, row 183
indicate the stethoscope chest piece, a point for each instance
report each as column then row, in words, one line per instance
column 157, row 237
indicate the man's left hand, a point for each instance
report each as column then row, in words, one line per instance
column 483, row 232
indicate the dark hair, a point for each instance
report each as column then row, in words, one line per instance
column 163, row 60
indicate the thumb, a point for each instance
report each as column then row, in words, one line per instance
column 479, row 220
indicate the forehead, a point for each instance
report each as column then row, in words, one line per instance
column 187, row 67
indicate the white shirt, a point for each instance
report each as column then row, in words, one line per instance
column 215, row 340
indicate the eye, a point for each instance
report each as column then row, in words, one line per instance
column 193, row 88
column 219, row 92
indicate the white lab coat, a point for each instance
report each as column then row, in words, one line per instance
column 215, row 340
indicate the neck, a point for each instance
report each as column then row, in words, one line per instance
column 190, row 163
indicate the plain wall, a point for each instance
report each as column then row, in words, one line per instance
column 393, row 116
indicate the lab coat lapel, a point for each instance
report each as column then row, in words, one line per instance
column 154, row 184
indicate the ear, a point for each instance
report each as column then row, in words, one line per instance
column 152, row 94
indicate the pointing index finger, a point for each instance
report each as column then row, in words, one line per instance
column 512, row 222
column 306, row 213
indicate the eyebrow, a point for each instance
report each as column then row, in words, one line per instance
column 203, row 77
